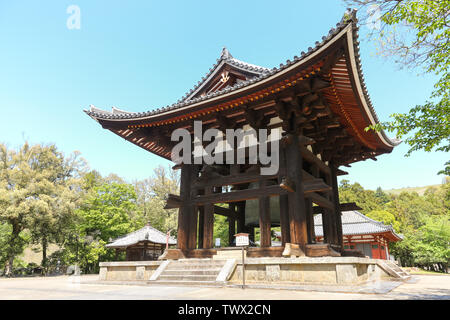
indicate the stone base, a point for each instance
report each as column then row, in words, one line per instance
column 306, row 270
column 127, row 270
column 321, row 250
column 260, row 271
column 292, row 250
column 172, row 254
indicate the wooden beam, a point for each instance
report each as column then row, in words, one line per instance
column 173, row 201
column 349, row 206
column 340, row 172
column 234, row 179
column 311, row 157
column 239, row 195
column 316, row 185
column 227, row 212
column 320, row 200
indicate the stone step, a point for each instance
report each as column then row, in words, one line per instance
column 193, row 260
column 394, row 270
column 186, row 283
column 207, row 262
column 192, row 272
column 187, row 277
column 193, row 266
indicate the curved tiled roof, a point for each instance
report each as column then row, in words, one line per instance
column 225, row 58
column 147, row 233
column 349, row 20
column 355, row 223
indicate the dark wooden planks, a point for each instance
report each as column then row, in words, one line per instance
column 264, row 218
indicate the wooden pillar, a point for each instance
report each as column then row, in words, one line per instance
column 331, row 215
column 337, row 206
column 264, row 218
column 201, row 222
column 310, row 221
column 326, row 225
column 144, row 253
column 297, row 208
column 241, row 217
column 231, row 225
column 187, row 209
column 193, row 210
column 235, row 169
column 208, row 222
column 284, row 207
column 251, row 233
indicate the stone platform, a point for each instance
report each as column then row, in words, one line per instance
column 264, row 271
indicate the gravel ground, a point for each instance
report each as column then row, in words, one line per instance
column 74, row 288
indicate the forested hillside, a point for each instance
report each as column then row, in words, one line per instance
column 422, row 219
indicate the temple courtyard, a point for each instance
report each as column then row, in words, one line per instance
column 436, row 287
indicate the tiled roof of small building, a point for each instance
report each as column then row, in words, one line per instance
column 354, row 223
column 147, row 233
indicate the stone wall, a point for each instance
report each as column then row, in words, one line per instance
column 305, row 270
column 128, row 270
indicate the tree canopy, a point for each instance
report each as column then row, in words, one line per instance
column 416, row 33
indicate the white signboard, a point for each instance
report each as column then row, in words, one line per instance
column 217, row 242
column 242, row 240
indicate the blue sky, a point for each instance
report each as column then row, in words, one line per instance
column 141, row 55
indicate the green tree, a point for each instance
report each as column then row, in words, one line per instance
column 382, row 196
column 417, row 34
column 105, row 214
column 432, row 245
column 221, row 230
column 36, row 194
column 152, row 194
column 428, row 246
column 366, row 199
column 386, row 217
column 409, row 209
column 107, row 211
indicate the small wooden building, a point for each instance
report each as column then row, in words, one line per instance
column 144, row 244
column 319, row 103
column 363, row 234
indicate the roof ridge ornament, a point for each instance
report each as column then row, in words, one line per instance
column 225, row 54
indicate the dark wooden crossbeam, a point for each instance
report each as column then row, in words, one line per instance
column 240, row 195
column 340, row 172
column 234, row 179
column 227, row 212
column 311, row 157
column 173, row 201
column 349, row 206
column 319, row 200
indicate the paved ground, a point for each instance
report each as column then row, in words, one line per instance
column 65, row 287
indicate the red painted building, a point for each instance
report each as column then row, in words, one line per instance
column 361, row 233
